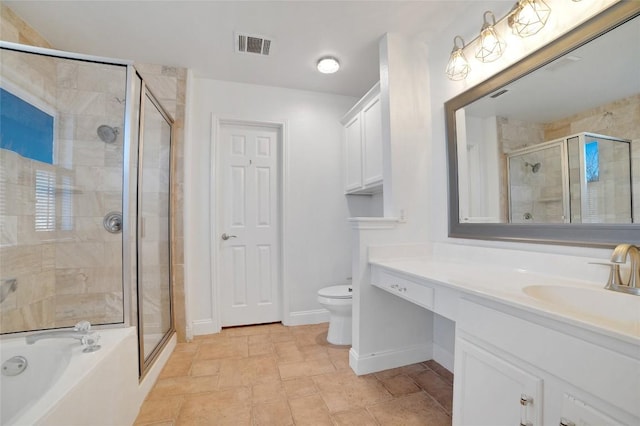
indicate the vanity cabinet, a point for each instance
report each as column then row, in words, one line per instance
column 363, row 145
column 492, row 390
column 511, row 370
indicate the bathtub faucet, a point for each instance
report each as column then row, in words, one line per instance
column 81, row 331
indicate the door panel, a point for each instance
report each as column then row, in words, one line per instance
column 248, row 180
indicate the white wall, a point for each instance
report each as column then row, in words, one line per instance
column 317, row 235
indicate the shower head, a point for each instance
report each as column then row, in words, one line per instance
column 107, row 134
column 534, row 167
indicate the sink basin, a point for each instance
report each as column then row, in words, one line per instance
column 600, row 306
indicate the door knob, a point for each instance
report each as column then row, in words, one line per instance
column 226, row 237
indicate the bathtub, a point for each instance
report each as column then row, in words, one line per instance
column 64, row 386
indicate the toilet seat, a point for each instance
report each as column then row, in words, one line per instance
column 336, row 292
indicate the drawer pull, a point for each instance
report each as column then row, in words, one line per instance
column 524, row 401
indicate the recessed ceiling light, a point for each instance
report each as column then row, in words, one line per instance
column 328, row 65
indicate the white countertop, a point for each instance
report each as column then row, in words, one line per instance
column 580, row 303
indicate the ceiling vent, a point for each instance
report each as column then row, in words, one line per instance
column 248, row 43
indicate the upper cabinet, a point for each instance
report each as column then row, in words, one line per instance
column 363, row 145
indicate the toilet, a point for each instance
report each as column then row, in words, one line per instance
column 337, row 300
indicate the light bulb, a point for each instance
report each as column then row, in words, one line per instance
column 458, row 67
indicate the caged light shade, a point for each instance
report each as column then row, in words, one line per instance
column 528, row 17
column 490, row 44
column 457, row 68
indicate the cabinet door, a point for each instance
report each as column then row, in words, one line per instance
column 353, row 154
column 488, row 390
column 372, row 137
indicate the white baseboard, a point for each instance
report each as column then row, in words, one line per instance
column 443, row 357
column 204, row 326
column 371, row 363
column 315, row 316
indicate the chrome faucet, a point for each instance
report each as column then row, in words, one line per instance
column 81, row 331
column 619, row 257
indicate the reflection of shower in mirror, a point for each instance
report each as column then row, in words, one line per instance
column 534, row 167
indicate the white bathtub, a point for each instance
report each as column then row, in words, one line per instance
column 64, row 386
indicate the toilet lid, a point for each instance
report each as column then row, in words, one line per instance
column 336, row 292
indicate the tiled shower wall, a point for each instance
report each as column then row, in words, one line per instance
column 169, row 86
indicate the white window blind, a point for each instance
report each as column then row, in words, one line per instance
column 45, row 201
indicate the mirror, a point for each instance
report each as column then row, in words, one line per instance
column 548, row 150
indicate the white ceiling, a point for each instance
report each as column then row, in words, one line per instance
column 200, row 34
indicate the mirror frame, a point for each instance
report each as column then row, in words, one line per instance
column 593, row 235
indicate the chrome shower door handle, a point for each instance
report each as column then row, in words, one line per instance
column 226, row 237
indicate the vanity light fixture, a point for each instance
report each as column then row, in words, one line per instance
column 457, row 68
column 328, row 65
column 490, row 45
column 528, row 17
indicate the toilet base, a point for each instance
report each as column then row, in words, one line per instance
column 339, row 330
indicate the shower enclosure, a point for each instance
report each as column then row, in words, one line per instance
column 582, row 178
column 85, row 154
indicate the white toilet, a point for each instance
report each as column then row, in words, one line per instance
column 337, row 300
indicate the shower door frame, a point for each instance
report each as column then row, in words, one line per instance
column 145, row 363
column 566, row 212
column 582, row 141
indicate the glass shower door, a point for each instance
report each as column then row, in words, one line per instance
column 537, row 184
column 154, row 273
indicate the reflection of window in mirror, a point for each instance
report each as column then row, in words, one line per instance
column 592, row 162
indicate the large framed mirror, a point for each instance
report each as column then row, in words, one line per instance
column 548, row 150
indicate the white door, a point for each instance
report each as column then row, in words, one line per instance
column 248, row 225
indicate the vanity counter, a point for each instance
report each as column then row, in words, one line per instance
column 582, row 304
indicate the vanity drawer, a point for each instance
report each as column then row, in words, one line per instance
column 403, row 287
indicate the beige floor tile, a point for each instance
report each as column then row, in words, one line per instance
column 235, row 347
column 416, row 409
column 274, row 413
column 310, row 410
column 296, row 388
column 176, row 368
column 261, row 349
column 259, row 338
column 205, row 367
column 183, row 385
column 280, row 336
column 409, row 370
column 440, row 370
column 277, row 375
column 198, row 411
column 184, row 355
column 435, row 386
column 160, row 410
column 359, row 417
column 293, row 370
column 267, row 392
column 400, row 385
column 186, row 347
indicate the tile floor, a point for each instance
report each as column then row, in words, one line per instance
column 277, row 375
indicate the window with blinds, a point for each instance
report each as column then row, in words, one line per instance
column 45, row 200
